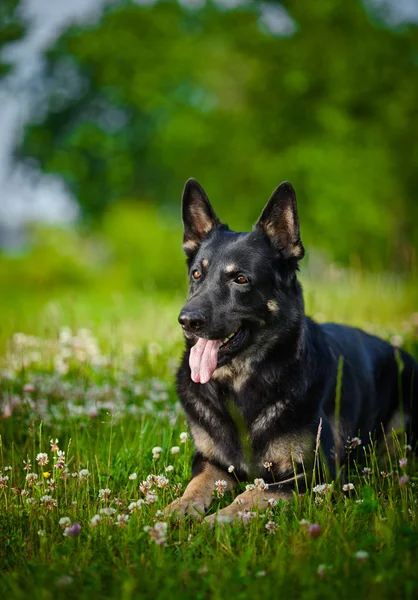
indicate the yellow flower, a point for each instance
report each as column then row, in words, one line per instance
column 46, row 474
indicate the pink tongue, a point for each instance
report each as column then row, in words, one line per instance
column 203, row 359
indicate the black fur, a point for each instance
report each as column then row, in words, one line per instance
column 286, row 359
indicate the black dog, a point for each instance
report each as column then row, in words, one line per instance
column 249, row 342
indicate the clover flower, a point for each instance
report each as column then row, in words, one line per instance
column 271, row 526
column 156, row 452
column 31, row 479
column 104, row 494
column 260, row 484
column 169, row 468
column 64, row 522
column 231, row 469
column 108, row 511
column 72, row 531
column 403, row 462
column 322, row 488
column 84, row 474
column 348, row 487
column 133, row 476
column 314, row 530
column 403, row 480
column 42, row 459
column 121, row 520
column 158, row 533
column 361, row 555
column 95, row 520
column 54, row 445
column 184, row 436
column 3, row 481
column 175, row 450
column 220, row 487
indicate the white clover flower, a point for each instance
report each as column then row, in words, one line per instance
column 64, row 522
column 156, row 451
column 133, row 476
column 121, row 520
column 84, row 474
column 94, row 521
column 250, row 487
column 108, row 511
column 184, row 436
column 322, row 488
column 403, row 462
column 231, row 469
column 42, row 459
column 169, row 468
column 175, row 450
column 220, row 487
column 271, row 526
column 41, row 533
column 361, row 555
column 260, row 484
column 151, row 498
column 104, row 494
column 348, row 486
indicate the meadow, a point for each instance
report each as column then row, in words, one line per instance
column 94, row 445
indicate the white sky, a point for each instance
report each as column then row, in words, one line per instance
column 26, row 194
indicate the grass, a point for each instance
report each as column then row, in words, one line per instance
column 108, row 397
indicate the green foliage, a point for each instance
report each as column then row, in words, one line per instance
column 149, row 96
column 12, row 28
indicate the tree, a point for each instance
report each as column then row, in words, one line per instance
column 149, row 96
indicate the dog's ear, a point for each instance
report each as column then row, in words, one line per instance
column 280, row 223
column 199, row 218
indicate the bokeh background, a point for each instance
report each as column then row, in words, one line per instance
column 109, row 106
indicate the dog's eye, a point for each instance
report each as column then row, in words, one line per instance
column 241, row 279
column 196, row 274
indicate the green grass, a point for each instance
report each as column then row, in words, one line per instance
column 108, row 397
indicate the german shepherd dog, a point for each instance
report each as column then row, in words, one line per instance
column 249, row 343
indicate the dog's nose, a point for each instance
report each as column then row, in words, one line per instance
column 191, row 320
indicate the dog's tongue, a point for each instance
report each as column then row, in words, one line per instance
column 203, row 359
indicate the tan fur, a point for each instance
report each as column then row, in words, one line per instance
column 273, row 306
column 238, row 372
column 223, row 373
column 205, row 263
column 200, row 220
column 189, row 245
column 204, row 443
column 198, row 494
column 288, row 450
column 231, row 268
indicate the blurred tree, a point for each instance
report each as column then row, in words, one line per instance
column 151, row 95
column 12, row 28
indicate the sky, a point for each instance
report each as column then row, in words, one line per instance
column 25, row 193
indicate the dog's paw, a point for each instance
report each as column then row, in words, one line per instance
column 218, row 519
column 192, row 507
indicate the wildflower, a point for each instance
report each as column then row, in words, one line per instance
column 304, row 523
column 220, row 487
column 271, row 526
column 359, row 501
column 84, row 474
column 9, row 468
column 27, row 464
column 267, row 465
column 161, row 481
column 246, row 516
column 28, row 388
column 51, row 484
column 3, row 481
column 54, row 445
column 41, row 533
column 121, row 520
column 239, row 501
column 353, row 442
column 42, row 459
column 159, row 533
column 104, row 494
column 403, row 480
column 175, row 450
column 74, row 475
column 30, row 501
column 261, row 573
column 260, row 484
column 366, row 471
column 49, row 502
column 322, row 570
column 272, row 502
column 403, row 462
column 64, row 580
column 396, row 340
column 64, row 522
column 322, row 488
column 408, row 448
column 361, row 555
column 169, row 468
column 184, row 436
column 250, row 487
column 156, row 451
column 133, row 476
column 178, row 488
column 72, row 531
column 94, row 521
column 151, row 498
column 314, row 530
column 46, row 474
column 108, row 511
column 133, row 506
column 231, row 469
column 60, row 464
column 348, row 487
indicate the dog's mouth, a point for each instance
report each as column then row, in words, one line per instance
column 207, row 355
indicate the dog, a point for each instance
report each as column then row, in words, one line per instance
column 302, row 390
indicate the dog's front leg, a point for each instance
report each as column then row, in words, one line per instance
column 197, row 496
column 254, row 499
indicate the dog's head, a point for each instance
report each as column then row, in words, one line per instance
column 243, row 291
